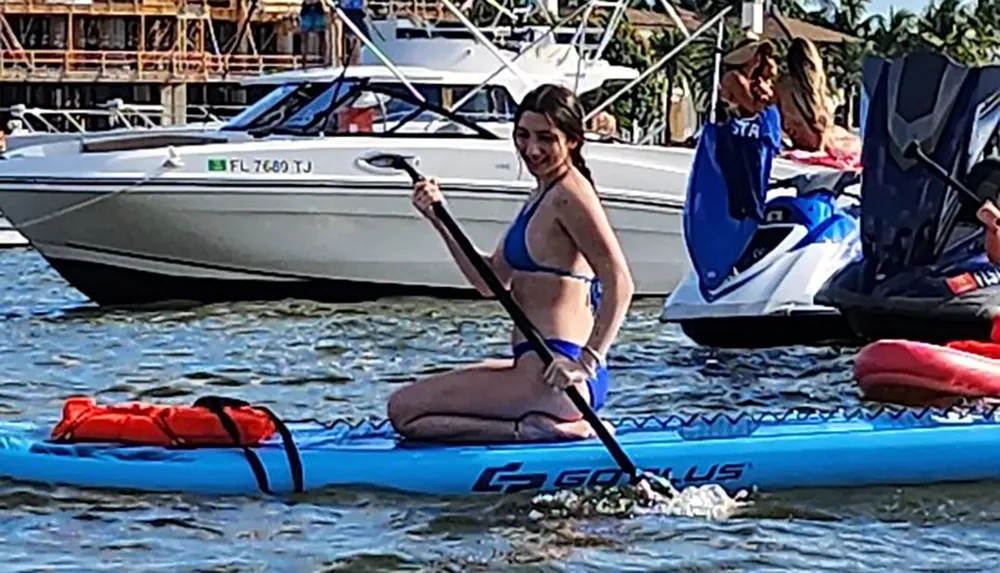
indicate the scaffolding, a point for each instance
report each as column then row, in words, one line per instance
column 157, row 41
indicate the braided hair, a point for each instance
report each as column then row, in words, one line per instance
column 561, row 106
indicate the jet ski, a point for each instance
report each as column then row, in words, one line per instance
column 924, row 274
column 760, row 249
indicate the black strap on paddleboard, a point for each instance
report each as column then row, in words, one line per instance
column 217, row 405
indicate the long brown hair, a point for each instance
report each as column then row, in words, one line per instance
column 807, row 81
column 564, row 110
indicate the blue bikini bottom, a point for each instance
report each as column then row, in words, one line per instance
column 598, row 385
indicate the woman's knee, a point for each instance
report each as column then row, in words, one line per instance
column 399, row 409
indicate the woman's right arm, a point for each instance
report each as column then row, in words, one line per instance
column 425, row 194
column 494, row 260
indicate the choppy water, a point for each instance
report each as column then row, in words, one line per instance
column 328, row 361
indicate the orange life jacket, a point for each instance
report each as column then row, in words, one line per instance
column 210, row 421
column 159, row 425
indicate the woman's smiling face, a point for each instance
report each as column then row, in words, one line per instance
column 543, row 147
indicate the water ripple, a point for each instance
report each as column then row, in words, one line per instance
column 307, row 359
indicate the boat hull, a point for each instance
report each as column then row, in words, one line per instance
column 285, row 216
column 339, row 232
column 817, row 328
column 337, row 244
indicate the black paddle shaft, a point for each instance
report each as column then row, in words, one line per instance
column 523, row 323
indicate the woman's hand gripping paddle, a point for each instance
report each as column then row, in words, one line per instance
column 640, row 479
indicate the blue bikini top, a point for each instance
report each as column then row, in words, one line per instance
column 515, row 249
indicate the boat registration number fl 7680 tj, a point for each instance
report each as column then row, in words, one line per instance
column 261, row 165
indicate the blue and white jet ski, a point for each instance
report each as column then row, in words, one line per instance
column 760, row 249
column 924, row 274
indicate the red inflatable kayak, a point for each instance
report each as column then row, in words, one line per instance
column 909, row 372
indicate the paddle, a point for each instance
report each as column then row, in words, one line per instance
column 523, row 323
column 980, row 172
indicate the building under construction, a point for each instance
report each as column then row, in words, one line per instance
column 180, row 54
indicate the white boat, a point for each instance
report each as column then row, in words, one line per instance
column 16, row 143
column 51, row 144
column 294, row 210
column 445, row 70
column 305, row 216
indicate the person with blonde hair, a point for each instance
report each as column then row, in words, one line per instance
column 803, row 96
column 807, row 106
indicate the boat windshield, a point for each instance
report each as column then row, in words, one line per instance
column 397, row 108
column 491, row 103
column 362, row 107
column 274, row 108
column 315, row 108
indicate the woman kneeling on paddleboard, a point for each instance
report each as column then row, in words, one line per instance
column 564, row 266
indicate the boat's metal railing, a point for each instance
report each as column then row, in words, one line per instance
column 751, row 20
column 391, row 8
column 717, row 20
column 73, row 65
column 113, row 113
column 587, row 52
column 655, row 134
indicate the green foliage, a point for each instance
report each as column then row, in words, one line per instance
column 640, row 105
column 695, row 63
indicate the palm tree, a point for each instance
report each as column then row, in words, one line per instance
column 950, row 27
column 986, row 19
column 897, row 35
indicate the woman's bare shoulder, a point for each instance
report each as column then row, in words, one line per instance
column 575, row 189
column 577, row 203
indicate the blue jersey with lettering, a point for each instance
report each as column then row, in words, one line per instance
column 727, row 191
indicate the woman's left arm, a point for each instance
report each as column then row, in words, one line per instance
column 584, row 219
